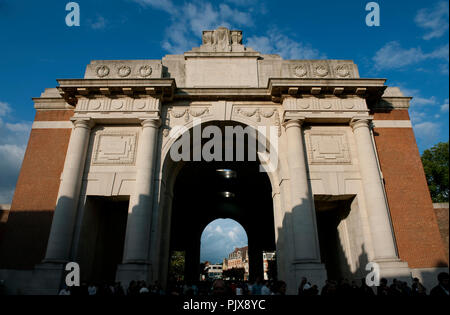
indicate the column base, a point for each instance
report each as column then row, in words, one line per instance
column 316, row 273
column 394, row 269
column 47, row 279
column 428, row 276
column 134, row 271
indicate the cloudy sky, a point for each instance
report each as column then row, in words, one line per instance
column 220, row 238
column 410, row 48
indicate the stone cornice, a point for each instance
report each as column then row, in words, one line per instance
column 364, row 87
column 244, row 54
column 223, row 93
column 53, row 103
column 389, row 103
column 70, row 89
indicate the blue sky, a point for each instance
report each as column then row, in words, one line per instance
column 410, row 48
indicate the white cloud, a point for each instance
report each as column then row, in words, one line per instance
column 444, row 107
column 165, row 5
column 421, row 101
column 14, row 136
column 19, row 127
column 99, row 24
column 417, row 116
column 243, row 3
column 418, row 100
column 426, row 130
column 190, row 19
column 434, row 20
column 11, row 156
column 232, row 235
column 274, row 42
column 220, row 238
column 4, row 109
column 393, row 56
column 187, row 21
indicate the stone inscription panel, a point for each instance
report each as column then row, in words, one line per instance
column 115, row 148
column 328, row 148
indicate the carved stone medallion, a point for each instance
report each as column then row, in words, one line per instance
column 102, row 71
column 145, row 71
column 124, row 71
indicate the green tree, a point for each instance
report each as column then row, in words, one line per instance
column 176, row 268
column 435, row 164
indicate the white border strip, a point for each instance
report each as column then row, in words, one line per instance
column 392, row 123
column 52, row 125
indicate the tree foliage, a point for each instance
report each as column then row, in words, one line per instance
column 435, row 164
column 176, row 268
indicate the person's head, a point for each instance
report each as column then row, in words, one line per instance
column 416, row 280
column 280, row 287
column 219, row 287
column 443, row 279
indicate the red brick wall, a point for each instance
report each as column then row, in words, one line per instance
column 416, row 230
column 26, row 233
column 53, row 115
column 442, row 219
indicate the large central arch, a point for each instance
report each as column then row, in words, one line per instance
column 190, row 197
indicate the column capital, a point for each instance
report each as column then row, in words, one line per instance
column 151, row 122
column 86, row 123
column 362, row 121
column 298, row 122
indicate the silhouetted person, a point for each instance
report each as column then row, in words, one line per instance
column 383, row 289
column 343, row 288
column 417, row 288
column 279, row 288
column 301, row 287
column 256, row 288
column 365, row 289
column 395, row 289
column 442, row 288
column 219, row 288
column 328, row 289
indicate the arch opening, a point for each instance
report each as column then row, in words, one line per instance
column 224, row 251
column 202, row 192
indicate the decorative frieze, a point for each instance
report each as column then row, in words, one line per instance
column 124, row 69
column 325, row 104
column 258, row 113
column 121, row 104
column 188, row 112
column 322, row 69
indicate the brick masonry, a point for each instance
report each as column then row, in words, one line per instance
column 25, row 237
column 441, row 210
column 53, row 115
column 415, row 225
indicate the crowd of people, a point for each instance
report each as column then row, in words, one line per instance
column 221, row 287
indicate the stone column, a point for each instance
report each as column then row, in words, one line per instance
column 136, row 264
column 61, row 233
column 378, row 212
column 49, row 275
column 300, row 219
